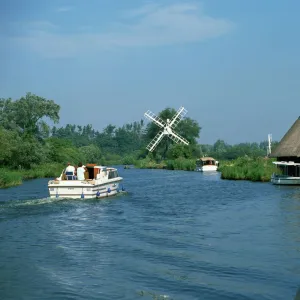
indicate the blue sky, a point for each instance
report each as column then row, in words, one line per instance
column 234, row 65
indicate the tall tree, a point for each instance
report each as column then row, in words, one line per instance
column 27, row 114
column 187, row 128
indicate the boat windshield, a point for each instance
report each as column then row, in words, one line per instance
column 200, row 162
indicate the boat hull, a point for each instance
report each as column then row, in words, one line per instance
column 207, row 168
column 285, row 180
column 75, row 189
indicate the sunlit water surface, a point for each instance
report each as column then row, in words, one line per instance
column 173, row 235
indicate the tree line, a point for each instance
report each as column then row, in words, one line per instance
column 27, row 140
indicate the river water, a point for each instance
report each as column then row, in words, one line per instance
column 173, row 235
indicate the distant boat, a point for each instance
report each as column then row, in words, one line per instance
column 205, row 164
column 99, row 182
column 128, row 167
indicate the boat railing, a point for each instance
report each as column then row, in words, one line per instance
column 274, row 175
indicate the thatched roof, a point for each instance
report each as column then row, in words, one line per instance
column 290, row 143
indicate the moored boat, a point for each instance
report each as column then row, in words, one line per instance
column 99, row 182
column 204, row 164
column 288, row 173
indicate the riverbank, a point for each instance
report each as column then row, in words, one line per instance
column 252, row 169
column 176, row 164
column 258, row 169
column 9, row 178
column 243, row 168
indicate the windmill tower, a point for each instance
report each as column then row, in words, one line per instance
column 269, row 144
column 166, row 128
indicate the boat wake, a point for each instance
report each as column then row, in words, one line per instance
column 18, row 203
column 48, row 200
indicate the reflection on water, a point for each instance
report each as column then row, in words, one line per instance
column 175, row 235
column 290, row 209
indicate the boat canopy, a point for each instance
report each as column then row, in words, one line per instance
column 286, row 163
column 206, row 158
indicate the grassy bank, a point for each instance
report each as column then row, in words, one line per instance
column 243, row 168
column 259, row 169
column 175, row 164
column 9, row 178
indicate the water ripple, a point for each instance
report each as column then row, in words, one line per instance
column 174, row 235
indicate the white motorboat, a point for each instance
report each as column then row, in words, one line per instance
column 204, row 164
column 288, row 173
column 99, row 182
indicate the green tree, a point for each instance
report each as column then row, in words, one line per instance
column 62, row 151
column 180, row 151
column 91, row 154
column 28, row 154
column 10, row 141
column 27, row 114
column 187, row 128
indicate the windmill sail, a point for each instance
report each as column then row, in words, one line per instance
column 178, row 117
column 152, row 145
column 166, row 128
column 157, row 120
column 177, row 138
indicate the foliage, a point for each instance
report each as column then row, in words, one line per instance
column 148, row 163
column 180, row 151
column 181, row 164
column 187, row 128
column 223, row 151
column 10, row 177
column 8, row 146
column 26, row 115
column 29, row 146
column 91, row 153
column 62, row 151
column 129, row 160
column 245, row 168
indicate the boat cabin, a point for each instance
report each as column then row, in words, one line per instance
column 92, row 172
column 287, row 168
column 204, row 161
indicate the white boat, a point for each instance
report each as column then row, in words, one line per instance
column 288, row 173
column 100, row 182
column 204, row 164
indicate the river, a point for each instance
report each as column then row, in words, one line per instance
column 173, row 235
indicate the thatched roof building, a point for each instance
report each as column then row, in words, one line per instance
column 289, row 146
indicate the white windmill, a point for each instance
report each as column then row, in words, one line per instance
column 166, row 128
column 269, row 149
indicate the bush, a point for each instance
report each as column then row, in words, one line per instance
column 245, row 168
column 9, row 178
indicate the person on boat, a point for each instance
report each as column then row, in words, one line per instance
column 70, row 168
column 80, row 172
column 75, row 172
column 70, row 171
column 86, row 172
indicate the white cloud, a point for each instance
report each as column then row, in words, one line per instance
column 146, row 9
column 64, row 8
column 150, row 25
column 39, row 25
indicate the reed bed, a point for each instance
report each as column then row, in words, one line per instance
column 258, row 169
column 9, row 178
